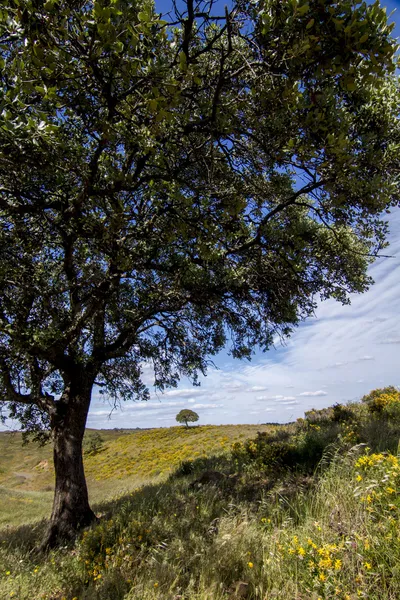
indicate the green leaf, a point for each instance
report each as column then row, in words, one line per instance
column 310, row 23
column 302, row 10
column 182, row 61
column 153, row 105
column 349, row 84
column 144, row 17
column 50, row 5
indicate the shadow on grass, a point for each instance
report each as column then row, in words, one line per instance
column 149, row 498
column 279, row 458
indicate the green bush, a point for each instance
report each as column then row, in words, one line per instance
column 93, row 444
column 379, row 400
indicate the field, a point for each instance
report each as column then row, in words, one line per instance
column 127, row 460
column 308, row 511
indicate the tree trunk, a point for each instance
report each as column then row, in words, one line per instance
column 71, row 510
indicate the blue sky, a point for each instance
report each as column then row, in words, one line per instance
column 338, row 356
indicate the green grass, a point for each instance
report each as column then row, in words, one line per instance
column 127, row 461
column 302, row 513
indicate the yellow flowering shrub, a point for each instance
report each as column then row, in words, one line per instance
column 383, row 400
column 378, row 476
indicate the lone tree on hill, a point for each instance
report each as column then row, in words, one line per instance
column 168, row 186
column 187, row 416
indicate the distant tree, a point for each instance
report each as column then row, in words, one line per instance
column 187, row 416
column 168, row 186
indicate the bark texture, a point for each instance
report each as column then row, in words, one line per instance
column 71, row 510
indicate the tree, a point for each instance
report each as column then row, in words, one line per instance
column 170, row 186
column 187, row 416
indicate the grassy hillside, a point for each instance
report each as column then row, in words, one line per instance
column 126, row 460
column 306, row 512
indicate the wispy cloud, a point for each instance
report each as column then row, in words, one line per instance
column 207, row 405
column 314, row 394
column 184, row 393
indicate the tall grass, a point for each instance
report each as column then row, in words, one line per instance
column 310, row 513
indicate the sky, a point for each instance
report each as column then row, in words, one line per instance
column 337, row 356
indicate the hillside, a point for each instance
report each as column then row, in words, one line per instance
column 126, row 460
column 305, row 512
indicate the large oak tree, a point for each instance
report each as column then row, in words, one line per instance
column 172, row 185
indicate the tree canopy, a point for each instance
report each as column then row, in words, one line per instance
column 187, row 416
column 172, row 184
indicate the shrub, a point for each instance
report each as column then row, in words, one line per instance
column 382, row 400
column 93, row 444
column 342, row 414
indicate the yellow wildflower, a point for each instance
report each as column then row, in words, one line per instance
column 250, row 565
column 322, row 577
column 338, row 564
column 368, row 566
column 325, row 563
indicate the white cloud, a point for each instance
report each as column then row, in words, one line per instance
column 183, row 393
column 233, row 386
column 207, row 405
column 258, row 388
column 314, row 394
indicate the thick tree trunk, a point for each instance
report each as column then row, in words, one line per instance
column 71, row 510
